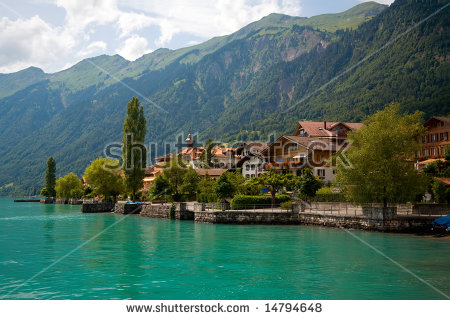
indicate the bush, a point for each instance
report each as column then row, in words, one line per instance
column 286, row 205
column 207, row 197
column 329, row 197
column 242, row 201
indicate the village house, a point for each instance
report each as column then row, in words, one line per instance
column 436, row 139
column 433, row 142
column 312, row 145
column 251, row 160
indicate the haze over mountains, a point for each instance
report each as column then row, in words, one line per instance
column 240, row 86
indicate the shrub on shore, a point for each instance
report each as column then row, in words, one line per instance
column 244, row 202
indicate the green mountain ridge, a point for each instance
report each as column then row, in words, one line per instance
column 241, row 86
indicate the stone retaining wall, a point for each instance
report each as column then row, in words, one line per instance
column 97, row 207
column 238, row 217
column 430, row 209
column 128, row 208
column 397, row 224
column 155, row 211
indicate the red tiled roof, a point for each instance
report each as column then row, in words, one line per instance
column 444, row 180
column 316, row 129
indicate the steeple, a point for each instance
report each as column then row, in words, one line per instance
column 189, row 141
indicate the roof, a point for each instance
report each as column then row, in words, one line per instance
column 211, row 172
column 313, row 144
column 444, row 119
column 317, row 129
column 429, row 161
column 444, row 180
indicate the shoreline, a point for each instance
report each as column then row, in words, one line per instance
column 411, row 224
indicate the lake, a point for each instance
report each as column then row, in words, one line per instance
column 56, row 252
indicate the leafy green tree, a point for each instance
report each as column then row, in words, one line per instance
column 441, row 192
column 223, row 187
column 447, row 153
column 379, row 167
column 191, row 180
column 237, row 180
column 206, row 190
column 50, row 179
column 160, row 186
column 275, row 182
column 134, row 153
column 307, row 184
column 69, row 186
column 104, row 179
column 175, row 171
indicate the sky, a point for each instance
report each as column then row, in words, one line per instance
column 55, row 34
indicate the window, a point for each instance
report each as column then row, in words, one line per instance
column 425, row 152
column 247, row 167
column 418, row 154
column 433, row 151
column 442, row 123
column 434, row 137
column 321, row 173
column 444, row 136
column 253, row 167
column 252, row 175
column 425, row 139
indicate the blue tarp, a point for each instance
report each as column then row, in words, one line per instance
column 443, row 221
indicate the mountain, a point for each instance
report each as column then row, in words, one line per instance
column 258, row 80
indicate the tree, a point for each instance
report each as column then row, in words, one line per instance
column 191, row 180
column 206, row 190
column 134, row 154
column 307, row 185
column 104, row 176
column 160, row 186
column 447, row 153
column 441, row 192
column 237, row 180
column 274, row 182
column 175, row 171
column 69, row 186
column 379, row 166
column 50, row 179
column 223, row 187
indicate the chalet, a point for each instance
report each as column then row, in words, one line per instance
column 252, row 160
column 436, row 139
column 291, row 154
column 333, row 131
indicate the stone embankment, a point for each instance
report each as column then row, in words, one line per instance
column 337, row 215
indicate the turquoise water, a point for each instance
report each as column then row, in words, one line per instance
column 142, row 258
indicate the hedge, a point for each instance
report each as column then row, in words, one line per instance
column 329, row 197
column 242, row 201
column 207, row 197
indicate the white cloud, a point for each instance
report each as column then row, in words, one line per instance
column 96, row 47
column 25, row 42
column 133, row 48
column 130, row 22
column 33, row 41
column 80, row 14
column 205, row 18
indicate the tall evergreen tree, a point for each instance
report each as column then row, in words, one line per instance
column 50, row 179
column 134, row 153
